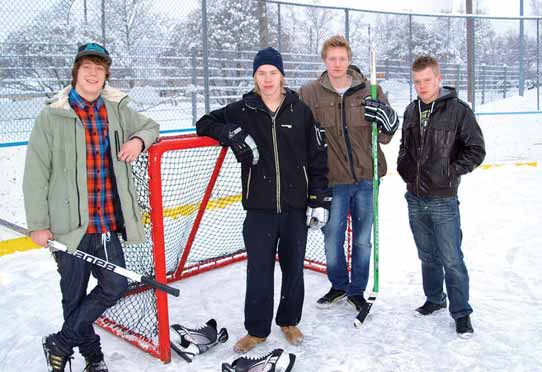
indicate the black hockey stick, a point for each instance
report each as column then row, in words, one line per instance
column 57, row 246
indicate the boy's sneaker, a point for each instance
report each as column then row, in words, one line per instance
column 95, row 363
column 330, row 298
column 56, row 360
column 429, row 307
column 356, row 301
column 463, row 327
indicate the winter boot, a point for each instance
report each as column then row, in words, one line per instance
column 275, row 361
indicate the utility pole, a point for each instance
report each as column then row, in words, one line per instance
column 521, row 51
column 470, row 54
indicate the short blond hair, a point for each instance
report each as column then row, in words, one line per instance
column 337, row 41
column 282, row 85
column 423, row 61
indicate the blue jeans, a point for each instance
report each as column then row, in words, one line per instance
column 82, row 309
column 436, row 227
column 358, row 200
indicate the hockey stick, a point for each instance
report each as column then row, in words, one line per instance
column 57, row 246
column 360, row 318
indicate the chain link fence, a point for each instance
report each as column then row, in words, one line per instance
column 177, row 60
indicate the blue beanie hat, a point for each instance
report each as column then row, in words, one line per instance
column 268, row 56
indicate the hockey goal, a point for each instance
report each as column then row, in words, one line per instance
column 189, row 189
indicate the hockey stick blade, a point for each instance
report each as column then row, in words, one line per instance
column 364, row 312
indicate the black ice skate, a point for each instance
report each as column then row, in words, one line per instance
column 190, row 342
column 275, row 361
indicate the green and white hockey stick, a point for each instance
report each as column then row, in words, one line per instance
column 360, row 318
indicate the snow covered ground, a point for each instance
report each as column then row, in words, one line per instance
column 501, row 216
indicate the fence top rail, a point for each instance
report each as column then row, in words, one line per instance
column 387, row 12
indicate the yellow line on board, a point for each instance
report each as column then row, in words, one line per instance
column 188, row 209
column 17, row 245
column 516, row 164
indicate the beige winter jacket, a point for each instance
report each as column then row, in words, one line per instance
column 55, row 174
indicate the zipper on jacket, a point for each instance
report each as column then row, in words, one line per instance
column 117, row 143
column 347, row 139
column 76, row 173
column 248, row 182
column 306, row 181
column 276, row 153
column 422, row 142
column 275, row 148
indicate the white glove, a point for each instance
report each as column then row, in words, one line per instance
column 317, row 217
column 252, row 144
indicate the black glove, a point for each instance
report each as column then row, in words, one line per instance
column 386, row 118
column 320, row 199
column 241, row 143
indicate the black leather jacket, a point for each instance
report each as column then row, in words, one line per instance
column 452, row 145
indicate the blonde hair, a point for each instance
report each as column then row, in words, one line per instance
column 423, row 61
column 337, row 41
column 282, row 85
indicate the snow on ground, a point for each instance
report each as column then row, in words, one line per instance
column 501, row 216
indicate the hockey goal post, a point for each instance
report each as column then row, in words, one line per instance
column 189, row 189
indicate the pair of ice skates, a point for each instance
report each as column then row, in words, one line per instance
column 189, row 342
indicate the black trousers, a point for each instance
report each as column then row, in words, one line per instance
column 264, row 234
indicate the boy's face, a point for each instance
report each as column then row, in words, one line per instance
column 268, row 79
column 336, row 62
column 90, row 80
column 427, row 84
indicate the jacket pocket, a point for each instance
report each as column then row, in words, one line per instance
column 60, row 207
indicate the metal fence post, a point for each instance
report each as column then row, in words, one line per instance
column 347, row 24
column 194, row 87
column 103, row 23
column 504, row 82
column 205, row 37
column 538, row 64
column 279, row 26
column 483, row 78
column 457, row 77
column 521, row 51
column 410, row 55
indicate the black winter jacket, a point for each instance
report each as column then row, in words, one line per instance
column 293, row 156
column 453, row 145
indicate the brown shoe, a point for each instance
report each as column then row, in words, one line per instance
column 292, row 334
column 246, row 343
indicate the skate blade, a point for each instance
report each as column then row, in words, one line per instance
column 182, row 354
column 285, row 362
